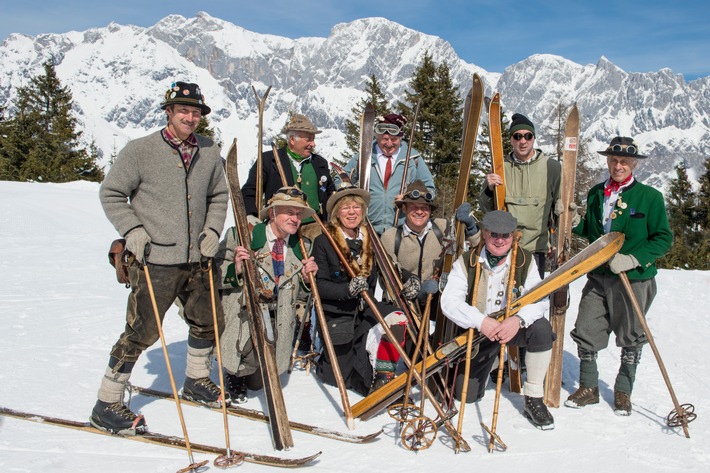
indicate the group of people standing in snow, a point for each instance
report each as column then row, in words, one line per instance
column 167, row 195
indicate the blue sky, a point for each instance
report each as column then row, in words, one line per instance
column 638, row 36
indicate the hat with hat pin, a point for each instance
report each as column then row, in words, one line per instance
column 417, row 193
column 288, row 197
column 622, row 146
column 300, row 122
column 185, row 93
column 345, row 190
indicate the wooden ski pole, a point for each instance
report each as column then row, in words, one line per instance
column 410, row 145
column 682, row 414
column 501, row 354
column 192, row 466
column 230, row 458
column 327, row 341
column 469, row 347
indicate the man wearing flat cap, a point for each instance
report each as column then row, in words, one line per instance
column 283, row 268
column 304, row 169
column 619, row 204
column 388, row 157
column 478, row 286
column 167, row 195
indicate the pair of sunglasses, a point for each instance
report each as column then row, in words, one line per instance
column 631, row 149
column 293, row 192
column 519, row 136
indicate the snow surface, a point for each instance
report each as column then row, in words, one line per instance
column 62, row 310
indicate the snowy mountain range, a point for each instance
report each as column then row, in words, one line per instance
column 118, row 75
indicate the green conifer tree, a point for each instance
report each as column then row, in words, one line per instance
column 42, row 141
column 681, row 207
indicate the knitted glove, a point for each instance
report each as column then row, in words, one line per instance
column 429, row 286
column 209, row 243
column 576, row 217
column 410, row 289
column 622, row 263
column 136, row 241
column 463, row 215
column 357, row 285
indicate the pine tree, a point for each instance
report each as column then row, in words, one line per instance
column 373, row 94
column 703, row 218
column 681, row 206
column 41, row 141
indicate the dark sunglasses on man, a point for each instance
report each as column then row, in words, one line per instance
column 519, row 136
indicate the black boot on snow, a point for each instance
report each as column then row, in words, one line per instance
column 536, row 411
column 117, row 418
column 236, row 387
column 381, row 378
column 204, row 391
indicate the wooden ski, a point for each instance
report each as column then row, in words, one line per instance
column 498, row 160
column 160, row 439
column 259, row 318
column 472, row 115
column 367, row 134
column 560, row 299
column 261, row 101
column 259, row 416
column 590, row 258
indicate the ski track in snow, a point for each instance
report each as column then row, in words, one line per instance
column 62, row 310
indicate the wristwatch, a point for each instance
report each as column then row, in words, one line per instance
column 521, row 320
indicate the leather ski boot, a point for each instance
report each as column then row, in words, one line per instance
column 204, row 391
column 236, row 387
column 117, row 418
column 622, row 403
column 538, row 414
column 381, row 378
column 583, row 396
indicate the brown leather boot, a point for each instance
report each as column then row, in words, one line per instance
column 381, row 378
column 622, row 403
column 583, row 396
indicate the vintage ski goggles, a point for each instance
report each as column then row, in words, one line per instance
column 519, row 136
column 289, row 192
column 415, row 194
column 631, row 149
column 390, row 128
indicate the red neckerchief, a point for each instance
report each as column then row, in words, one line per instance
column 614, row 186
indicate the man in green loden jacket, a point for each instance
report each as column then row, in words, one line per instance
column 620, row 204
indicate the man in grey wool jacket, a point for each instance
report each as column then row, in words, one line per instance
column 167, row 195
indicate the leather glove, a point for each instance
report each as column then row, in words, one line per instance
column 410, row 289
column 429, row 286
column 357, row 285
column 622, row 263
column 463, row 215
column 209, row 243
column 136, row 241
